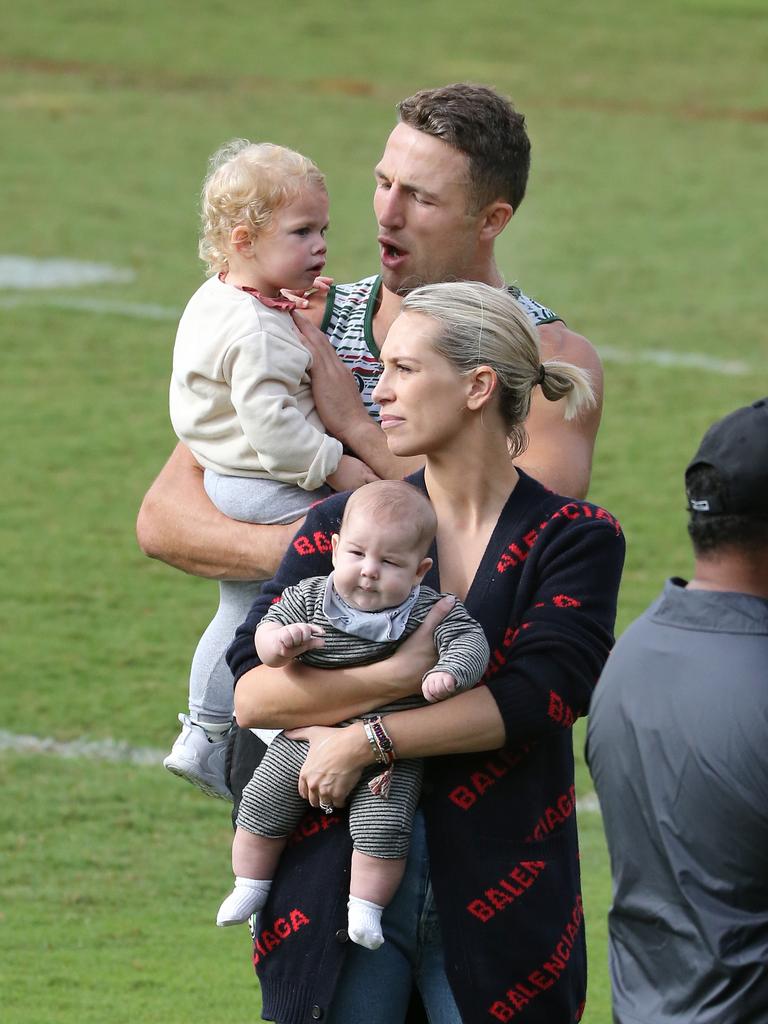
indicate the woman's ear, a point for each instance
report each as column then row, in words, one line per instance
column 482, row 384
column 240, row 238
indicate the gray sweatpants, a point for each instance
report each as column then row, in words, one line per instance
column 249, row 500
column 271, row 805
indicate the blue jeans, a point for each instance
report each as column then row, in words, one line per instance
column 375, row 985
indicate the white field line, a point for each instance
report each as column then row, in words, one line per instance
column 663, row 357
column 135, row 310
column 123, row 753
column 96, row 750
column 588, row 804
column 26, row 272
column 168, row 314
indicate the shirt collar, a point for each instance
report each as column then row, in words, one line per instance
column 266, row 300
column 714, row 611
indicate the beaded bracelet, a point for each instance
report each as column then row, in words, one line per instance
column 380, row 740
column 372, row 741
column 384, row 752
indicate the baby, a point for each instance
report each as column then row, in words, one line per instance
column 240, row 395
column 371, row 602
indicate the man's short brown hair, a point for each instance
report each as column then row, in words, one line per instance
column 485, row 126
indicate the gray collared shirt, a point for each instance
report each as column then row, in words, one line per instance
column 678, row 749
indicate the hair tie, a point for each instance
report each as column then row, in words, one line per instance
column 542, row 374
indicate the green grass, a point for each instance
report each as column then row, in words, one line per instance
column 643, row 225
column 111, row 882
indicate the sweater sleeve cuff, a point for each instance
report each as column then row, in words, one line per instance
column 324, row 464
column 246, row 666
column 522, row 711
column 464, row 680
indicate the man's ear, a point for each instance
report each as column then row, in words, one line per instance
column 424, row 566
column 334, row 547
column 240, row 238
column 494, row 218
column 482, row 384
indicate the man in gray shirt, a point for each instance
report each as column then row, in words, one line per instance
column 678, row 749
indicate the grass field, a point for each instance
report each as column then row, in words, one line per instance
column 644, row 225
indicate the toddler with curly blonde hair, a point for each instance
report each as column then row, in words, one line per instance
column 240, row 395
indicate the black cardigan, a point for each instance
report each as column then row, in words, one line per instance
column 501, row 825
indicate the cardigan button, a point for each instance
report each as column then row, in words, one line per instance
column 317, row 1013
column 341, row 935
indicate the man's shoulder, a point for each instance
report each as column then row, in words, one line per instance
column 558, row 341
column 537, row 311
column 346, row 298
column 360, row 292
column 362, row 286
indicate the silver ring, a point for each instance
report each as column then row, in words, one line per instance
column 328, row 808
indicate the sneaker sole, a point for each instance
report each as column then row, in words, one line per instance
column 199, row 783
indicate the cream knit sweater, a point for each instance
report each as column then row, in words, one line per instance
column 240, row 395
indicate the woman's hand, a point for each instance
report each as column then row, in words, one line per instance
column 417, row 654
column 334, row 763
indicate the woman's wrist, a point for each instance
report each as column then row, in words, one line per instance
column 383, row 751
column 360, row 751
column 379, row 740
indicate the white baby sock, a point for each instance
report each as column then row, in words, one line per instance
column 248, row 897
column 364, row 923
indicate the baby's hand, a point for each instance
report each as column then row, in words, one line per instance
column 298, row 637
column 276, row 644
column 438, row 686
column 320, row 288
column 351, row 474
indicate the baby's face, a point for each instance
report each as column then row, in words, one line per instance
column 375, row 568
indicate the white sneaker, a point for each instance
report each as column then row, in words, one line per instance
column 198, row 759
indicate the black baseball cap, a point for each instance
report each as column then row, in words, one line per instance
column 737, row 447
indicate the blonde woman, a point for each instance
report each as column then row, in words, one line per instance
column 488, row 919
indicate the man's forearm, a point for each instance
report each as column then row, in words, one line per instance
column 367, row 440
column 179, row 525
column 341, row 408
